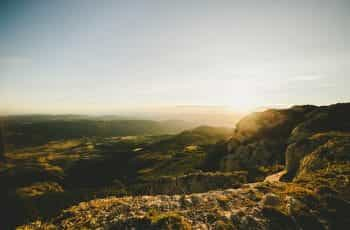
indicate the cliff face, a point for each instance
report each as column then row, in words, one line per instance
column 321, row 128
column 314, row 192
column 283, row 136
column 260, row 139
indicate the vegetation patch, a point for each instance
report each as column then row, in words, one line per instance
column 39, row 189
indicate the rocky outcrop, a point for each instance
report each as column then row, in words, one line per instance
column 260, row 206
column 233, row 207
column 335, row 150
column 261, row 139
column 295, row 152
column 323, row 119
column 324, row 125
column 262, row 152
column 191, row 183
column 283, row 136
column 304, row 149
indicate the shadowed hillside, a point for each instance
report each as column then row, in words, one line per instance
column 43, row 179
column 32, row 130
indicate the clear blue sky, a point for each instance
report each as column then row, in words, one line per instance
column 101, row 56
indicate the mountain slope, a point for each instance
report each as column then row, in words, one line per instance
column 314, row 193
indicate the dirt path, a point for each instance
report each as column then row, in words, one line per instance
column 275, row 177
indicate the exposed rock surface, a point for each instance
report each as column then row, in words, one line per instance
column 192, row 183
column 335, row 147
column 260, row 205
column 283, row 136
column 322, row 125
column 295, row 152
column 231, row 207
column 260, row 139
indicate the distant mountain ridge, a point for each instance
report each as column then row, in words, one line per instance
column 30, row 130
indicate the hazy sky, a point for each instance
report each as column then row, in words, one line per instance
column 101, row 56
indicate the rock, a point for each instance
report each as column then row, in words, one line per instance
column 232, row 145
column 196, row 199
column 271, row 199
column 295, row 153
column 172, row 222
column 186, row 201
column 254, row 153
column 192, row 183
column 292, row 205
column 249, row 222
column 278, row 220
column 221, row 225
column 230, row 163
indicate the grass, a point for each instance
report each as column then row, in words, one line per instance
column 168, row 220
column 44, row 179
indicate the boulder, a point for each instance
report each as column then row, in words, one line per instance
column 271, row 199
column 295, row 153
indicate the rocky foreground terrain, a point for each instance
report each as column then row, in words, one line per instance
column 263, row 205
column 312, row 192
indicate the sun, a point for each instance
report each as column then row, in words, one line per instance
column 245, row 99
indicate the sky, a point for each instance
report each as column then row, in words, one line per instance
column 87, row 56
